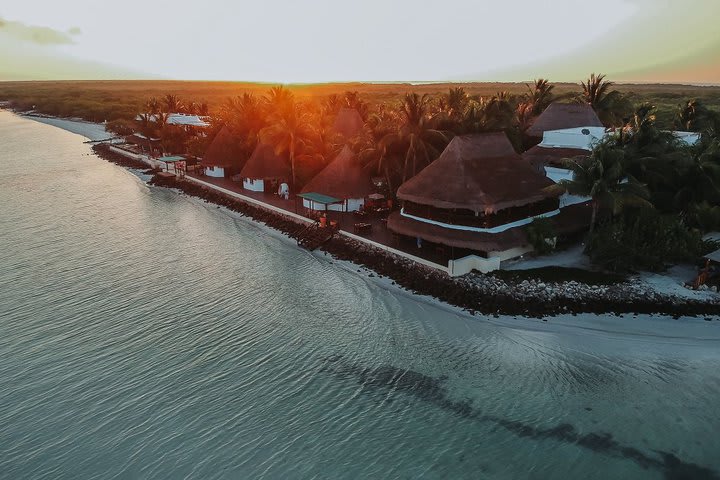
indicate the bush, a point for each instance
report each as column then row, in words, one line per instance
column 542, row 236
column 644, row 239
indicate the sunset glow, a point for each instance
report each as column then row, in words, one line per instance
column 323, row 41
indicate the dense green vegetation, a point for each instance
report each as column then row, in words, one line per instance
column 652, row 196
column 660, row 194
column 110, row 100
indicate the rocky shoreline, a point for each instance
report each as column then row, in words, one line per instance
column 475, row 293
column 103, row 151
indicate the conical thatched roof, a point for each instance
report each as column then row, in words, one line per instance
column 348, row 123
column 222, row 151
column 343, row 178
column 558, row 116
column 264, row 163
column 540, row 156
column 482, row 173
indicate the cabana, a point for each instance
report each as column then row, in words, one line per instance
column 342, row 186
column 145, row 143
column 177, row 161
column 221, row 159
column 559, row 116
column 265, row 170
column 479, row 195
column 348, row 123
column 558, row 145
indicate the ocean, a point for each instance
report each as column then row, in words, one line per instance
column 145, row 334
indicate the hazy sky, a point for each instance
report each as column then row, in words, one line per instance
column 375, row 40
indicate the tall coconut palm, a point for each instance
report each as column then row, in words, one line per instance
column 416, row 135
column 245, row 115
column 611, row 106
column 603, row 178
column 145, row 124
column 694, row 116
column 697, row 176
column 540, row 95
column 289, row 130
column 153, row 105
column 332, row 104
column 278, row 99
column 373, row 152
column 172, row 104
column 352, row 100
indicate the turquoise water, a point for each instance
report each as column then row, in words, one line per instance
column 144, row 334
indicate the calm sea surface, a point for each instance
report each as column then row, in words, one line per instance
column 144, row 334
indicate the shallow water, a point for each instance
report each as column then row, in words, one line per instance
column 144, row 334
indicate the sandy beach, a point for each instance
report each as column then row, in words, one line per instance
column 91, row 131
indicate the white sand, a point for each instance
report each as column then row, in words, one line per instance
column 89, row 130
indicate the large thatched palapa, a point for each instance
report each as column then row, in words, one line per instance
column 481, row 173
column 221, row 157
column 559, row 116
column 348, row 123
column 343, row 185
column 478, row 195
column 264, row 169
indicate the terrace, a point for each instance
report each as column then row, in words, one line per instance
column 346, row 222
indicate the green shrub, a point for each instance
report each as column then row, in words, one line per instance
column 542, row 236
column 644, row 239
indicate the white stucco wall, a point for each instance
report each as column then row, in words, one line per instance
column 484, row 265
column 573, row 138
column 353, row 205
column 467, row 264
column 216, row 172
column 254, row 184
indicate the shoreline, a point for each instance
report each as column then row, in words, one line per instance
column 494, row 296
column 93, row 132
column 473, row 293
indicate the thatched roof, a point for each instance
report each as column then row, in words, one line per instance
column 571, row 220
column 564, row 115
column 482, row 242
column 479, row 172
column 348, row 122
column 264, row 163
column 539, row 156
column 222, row 151
column 343, row 178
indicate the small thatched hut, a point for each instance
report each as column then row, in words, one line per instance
column 221, row 158
column 348, row 123
column 560, row 116
column 265, row 170
column 342, row 186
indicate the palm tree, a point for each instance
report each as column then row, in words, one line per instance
column 611, row 106
column 373, row 152
column 352, row 100
column 540, row 95
column 147, row 127
column 173, row 104
column 602, row 177
column 278, row 99
column 153, row 105
column 289, row 130
column 332, row 104
column 416, row 135
column 245, row 115
column 694, row 116
column 697, row 176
